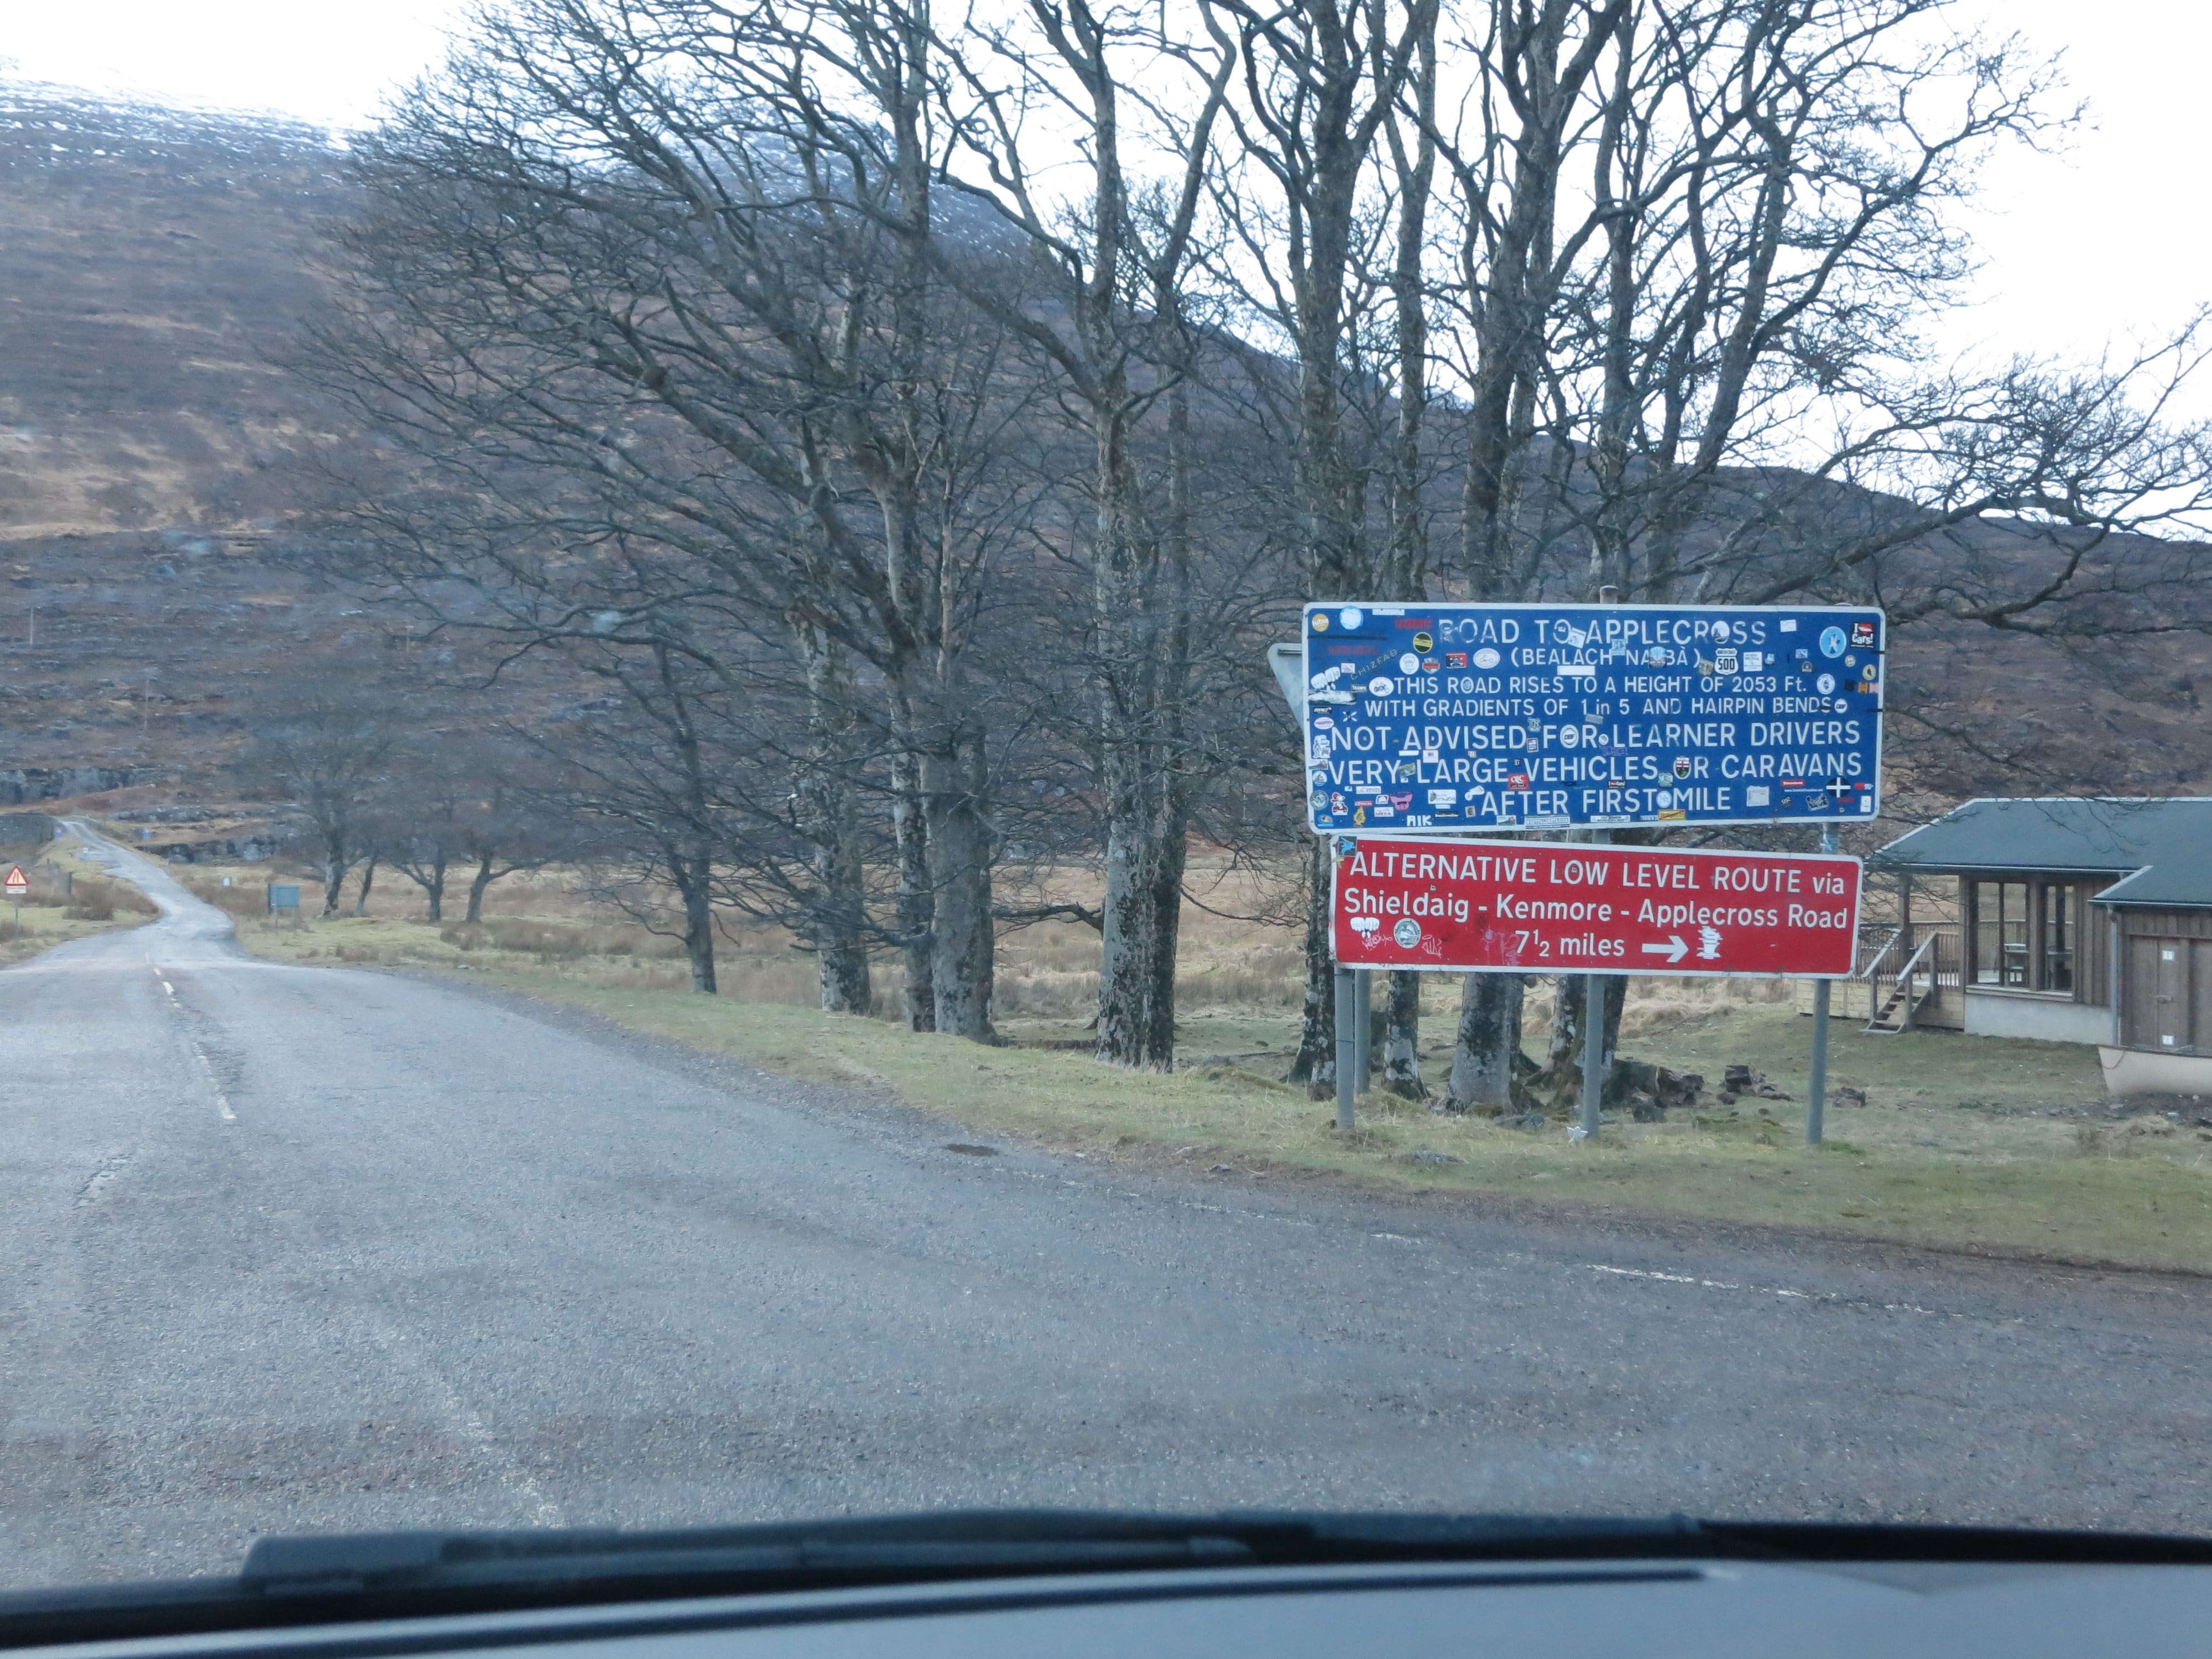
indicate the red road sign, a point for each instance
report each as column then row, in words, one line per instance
column 17, row 884
column 1537, row 908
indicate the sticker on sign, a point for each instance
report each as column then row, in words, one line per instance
column 17, row 884
column 1538, row 907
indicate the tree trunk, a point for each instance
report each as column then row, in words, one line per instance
column 1129, row 963
column 961, row 935
column 1127, row 618
column 1487, row 1051
column 483, row 878
column 1401, row 1038
column 910, row 825
column 334, row 875
column 1316, row 1065
column 1167, row 929
column 367, row 881
column 436, row 887
column 1560, row 1081
column 1566, row 1040
column 827, row 816
column 692, row 876
column 846, row 986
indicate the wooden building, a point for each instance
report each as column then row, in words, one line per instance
column 2162, row 928
column 2064, row 905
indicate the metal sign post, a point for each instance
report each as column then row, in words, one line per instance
column 1347, row 1089
column 1816, row 1104
column 1474, row 717
column 16, row 885
column 1593, row 1056
column 1593, row 1053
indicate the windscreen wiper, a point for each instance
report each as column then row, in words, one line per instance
column 345, row 1578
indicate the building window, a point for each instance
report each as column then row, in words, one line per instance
column 2058, row 922
column 2027, row 934
column 2000, row 934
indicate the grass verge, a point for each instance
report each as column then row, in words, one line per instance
column 1973, row 1142
column 71, row 896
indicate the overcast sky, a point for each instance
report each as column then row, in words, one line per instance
column 2099, row 245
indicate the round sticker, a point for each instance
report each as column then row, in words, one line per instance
column 1423, row 640
column 1352, row 616
column 1824, row 685
column 1321, row 622
column 1663, row 799
column 1485, row 657
column 1320, row 800
column 1407, row 933
column 1409, row 664
column 1720, row 630
column 1380, row 685
column 1832, row 642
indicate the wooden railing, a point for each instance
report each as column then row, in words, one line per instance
column 1918, row 968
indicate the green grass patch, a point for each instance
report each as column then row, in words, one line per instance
column 1964, row 1141
column 2143, row 1198
column 50, row 915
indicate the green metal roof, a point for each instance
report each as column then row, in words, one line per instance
column 2113, row 836
column 2164, row 887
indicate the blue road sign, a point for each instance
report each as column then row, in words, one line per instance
column 1430, row 717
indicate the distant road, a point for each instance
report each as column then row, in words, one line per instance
column 287, row 1249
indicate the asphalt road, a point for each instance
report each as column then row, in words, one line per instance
column 287, row 1250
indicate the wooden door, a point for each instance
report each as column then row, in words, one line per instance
column 2157, row 1010
column 2170, row 1016
column 2200, row 995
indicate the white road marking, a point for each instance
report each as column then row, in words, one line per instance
column 1755, row 1289
column 221, row 1100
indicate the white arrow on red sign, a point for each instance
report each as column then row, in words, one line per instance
column 1674, row 949
column 17, row 884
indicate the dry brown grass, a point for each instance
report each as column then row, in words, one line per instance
column 67, row 900
column 1240, row 979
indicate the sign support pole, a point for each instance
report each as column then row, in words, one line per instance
column 1346, row 1092
column 1593, row 1051
column 1363, row 1026
column 1594, row 1060
column 1816, row 1107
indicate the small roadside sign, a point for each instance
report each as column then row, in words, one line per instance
column 1541, row 908
column 17, row 884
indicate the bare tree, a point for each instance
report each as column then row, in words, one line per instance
column 598, row 254
column 322, row 749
